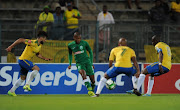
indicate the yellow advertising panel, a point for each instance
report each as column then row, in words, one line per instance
column 57, row 50
column 151, row 54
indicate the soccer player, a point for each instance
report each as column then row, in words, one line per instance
column 123, row 56
column 33, row 47
column 84, row 63
column 157, row 68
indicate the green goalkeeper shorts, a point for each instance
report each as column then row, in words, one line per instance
column 87, row 67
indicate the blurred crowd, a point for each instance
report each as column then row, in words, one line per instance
column 61, row 20
column 60, row 23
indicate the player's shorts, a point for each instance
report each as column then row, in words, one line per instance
column 114, row 71
column 25, row 66
column 153, row 69
column 87, row 67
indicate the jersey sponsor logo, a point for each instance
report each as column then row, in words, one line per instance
column 78, row 52
column 81, row 47
column 29, row 41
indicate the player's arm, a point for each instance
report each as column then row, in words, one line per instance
column 78, row 15
column 88, row 48
column 69, row 57
column 160, row 62
column 133, row 59
column 20, row 40
column 159, row 50
column 111, row 58
column 44, row 58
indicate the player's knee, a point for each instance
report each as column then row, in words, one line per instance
column 36, row 68
column 106, row 76
column 151, row 77
column 145, row 72
column 23, row 77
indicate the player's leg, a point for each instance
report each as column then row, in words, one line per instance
column 150, row 86
column 151, row 81
column 82, row 71
column 92, row 81
column 32, row 76
column 134, row 80
column 111, row 72
column 90, row 73
column 101, row 84
column 140, row 81
column 86, row 82
column 150, row 69
column 29, row 66
column 23, row 73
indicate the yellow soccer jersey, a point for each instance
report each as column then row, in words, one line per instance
column 68, row 16
column 123, row 55
column 161, row 46
column 32, row 48
column 45, row 18
column 175, row 6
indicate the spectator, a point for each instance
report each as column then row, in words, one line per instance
column 57, row 30
column 104, row 18
column 71, row 19
column 58, row 16
column 137, row 2
column 45, row 19
column 175, row 11
column 157, row 17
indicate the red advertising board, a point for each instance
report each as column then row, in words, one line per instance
column 167, row 83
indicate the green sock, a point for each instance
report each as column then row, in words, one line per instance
column 88, row 86
column 93, row 86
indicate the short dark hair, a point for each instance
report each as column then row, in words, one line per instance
column 57, row 8
column 42, row 34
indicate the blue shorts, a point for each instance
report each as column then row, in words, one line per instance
column 114, row 71
column 25, row 66
column 153, row 69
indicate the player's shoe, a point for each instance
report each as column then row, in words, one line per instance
column 96, row 95
column 91, row 93
column 27, row 87
column 12, row 93
column 130, row 92
column 137, row 92
column 147, row 95
column 89, row 88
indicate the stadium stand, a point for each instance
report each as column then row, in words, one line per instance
column 19, row 17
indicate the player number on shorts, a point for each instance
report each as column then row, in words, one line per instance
column 123, row 52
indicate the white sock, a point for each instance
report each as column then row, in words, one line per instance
column 101, row 85
column 140, row 81
column 16, row 85
column 134, row 81
column 32, row 76
column 150, row 84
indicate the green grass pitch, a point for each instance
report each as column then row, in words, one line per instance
column 84, row 102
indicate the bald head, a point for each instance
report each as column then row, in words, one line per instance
column 77, row 37
column 155, row 39
column 122, row 42
column 76, row 34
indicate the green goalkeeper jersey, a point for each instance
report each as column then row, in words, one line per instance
column 80, row 52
